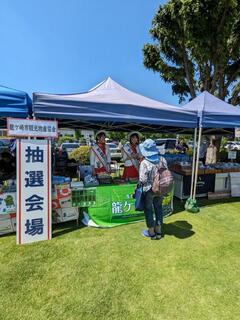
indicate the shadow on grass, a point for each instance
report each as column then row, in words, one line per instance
column 180, row 229
column 178, row 205
column 57, row 229
column 7, row 235
column 66, row 227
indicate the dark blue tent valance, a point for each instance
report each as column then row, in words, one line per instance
column 14, row 103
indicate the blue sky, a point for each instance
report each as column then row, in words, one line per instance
column 61, row 46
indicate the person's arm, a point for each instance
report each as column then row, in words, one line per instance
column 108, row 159
column 143, row 175
column 92, row 158
column 124, row 157
column 140, row 157
column 92, row 161
column 164, row 163
column 125, row 153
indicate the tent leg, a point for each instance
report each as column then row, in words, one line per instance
column 193, row 161
column 191, row 204
column 196, row 164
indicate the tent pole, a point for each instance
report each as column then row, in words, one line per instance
column 197, row 161
column 193, row 161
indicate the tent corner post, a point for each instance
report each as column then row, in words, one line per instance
column 193, row 161
column 197, row 163
column 191, row 203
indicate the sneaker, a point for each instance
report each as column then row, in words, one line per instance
column 159, row 236
column 146, row 234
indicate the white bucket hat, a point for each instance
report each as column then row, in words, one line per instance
column 101, row 131
column 134, row 133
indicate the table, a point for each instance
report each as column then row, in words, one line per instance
column 182, row 185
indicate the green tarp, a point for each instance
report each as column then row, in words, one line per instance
column 115, row 206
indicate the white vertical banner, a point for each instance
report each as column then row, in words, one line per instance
column 34, row 218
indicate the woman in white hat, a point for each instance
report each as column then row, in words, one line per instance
column 131, row 157
column 100, row 157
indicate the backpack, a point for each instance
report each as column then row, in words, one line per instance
column 162, row 181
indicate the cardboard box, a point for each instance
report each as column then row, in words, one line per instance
column 55, row 204
column 62, row 197
column 7, row 223
column 7, row 202
column 85, row 171
column 59, row 201
column 66, row 202
column 62, row 191
column 65, row 214
column 13, row 221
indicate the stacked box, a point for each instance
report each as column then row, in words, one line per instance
column 65, row 214
column 61, row 197
column 13, row 221
column 85, row 171
column 8, row 202
column 84, row 197
column 7, row 223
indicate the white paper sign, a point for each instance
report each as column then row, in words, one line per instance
column 237, row 132
column 32, row 128
column 232, row 155
column 34, row 219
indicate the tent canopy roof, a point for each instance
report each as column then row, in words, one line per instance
column 214, row 112
column 14, row 103
column 111, row 106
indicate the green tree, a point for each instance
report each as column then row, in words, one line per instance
column 117, row 135
column 196, row 47
column 66, row 139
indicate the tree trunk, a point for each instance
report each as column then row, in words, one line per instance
column 188, row 74
column 221, row 92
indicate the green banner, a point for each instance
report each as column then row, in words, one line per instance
column 115, row 206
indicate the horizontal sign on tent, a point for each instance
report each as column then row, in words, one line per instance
column 32, row 128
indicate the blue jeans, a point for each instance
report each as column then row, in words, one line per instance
column 153, row 203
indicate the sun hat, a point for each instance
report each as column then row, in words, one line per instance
column 134, row 133
column 101, row 131
column 149, row 150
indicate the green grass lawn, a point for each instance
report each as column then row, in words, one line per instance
column 85, row 273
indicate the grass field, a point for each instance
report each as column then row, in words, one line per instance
column 193, row 273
